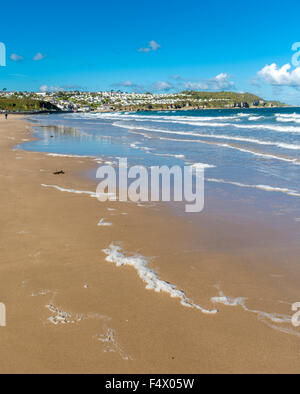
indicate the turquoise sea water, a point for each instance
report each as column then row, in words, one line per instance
column 256, row 150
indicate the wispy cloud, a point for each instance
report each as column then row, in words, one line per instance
column 144, row 49
column 220, row 82
column 196, row 85
column 73, row 87
column 46, row 88
column 152, row 46
column 18, row 75
column 163, row 86
column 56, row 88
column 280, row 76
column 128, row 85
column 16, row 58
column 38, row 56
column 255, row 81
column 176, row 77
column 159, row 86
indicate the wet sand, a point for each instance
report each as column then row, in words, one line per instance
column 71, row 311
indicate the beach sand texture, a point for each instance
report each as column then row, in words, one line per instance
column 139, row 293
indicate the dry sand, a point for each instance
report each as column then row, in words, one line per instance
column 71, row 311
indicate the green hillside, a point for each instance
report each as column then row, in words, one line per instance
column 25, row 105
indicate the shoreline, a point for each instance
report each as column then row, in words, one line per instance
column 171, row 109
column 70, row 310
column 144, row 110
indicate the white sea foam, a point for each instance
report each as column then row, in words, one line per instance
column 263, row 127
column 255, row 117
column 61, row 189
column 267, row 188
column 229, row 301
column 253, row 141
column 293, row 115
column 65, row 155
column 123, row 116
column 288, row 118
column 169, row 155
column 265, row 155
column 202, row 165
column 276, row 128
column 153, row 282
column 212, row 136
column 62, row 317
column 294, row 161
column 208, row 122
column 108, row 338
column 240, row 301
column 103, row 223
column 259, row 154
column 202, row 121
column 243, row 115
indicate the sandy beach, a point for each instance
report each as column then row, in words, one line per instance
column 70, row 310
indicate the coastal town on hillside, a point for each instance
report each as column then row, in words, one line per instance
column 104, row 101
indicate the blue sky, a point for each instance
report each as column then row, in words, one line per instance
column 159, row 46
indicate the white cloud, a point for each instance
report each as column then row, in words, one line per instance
column 283, row 76
column 152, row 46
column 39, row 56
column 46, row 88
column 128, row 85
column 220, row 82
column 162, row 85
column 16, row 58
column 196, row 85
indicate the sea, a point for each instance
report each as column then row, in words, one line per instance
column 250, row 155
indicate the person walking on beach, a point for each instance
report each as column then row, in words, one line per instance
column 6, row 115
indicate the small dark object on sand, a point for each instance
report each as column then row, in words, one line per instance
column 61, row 172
